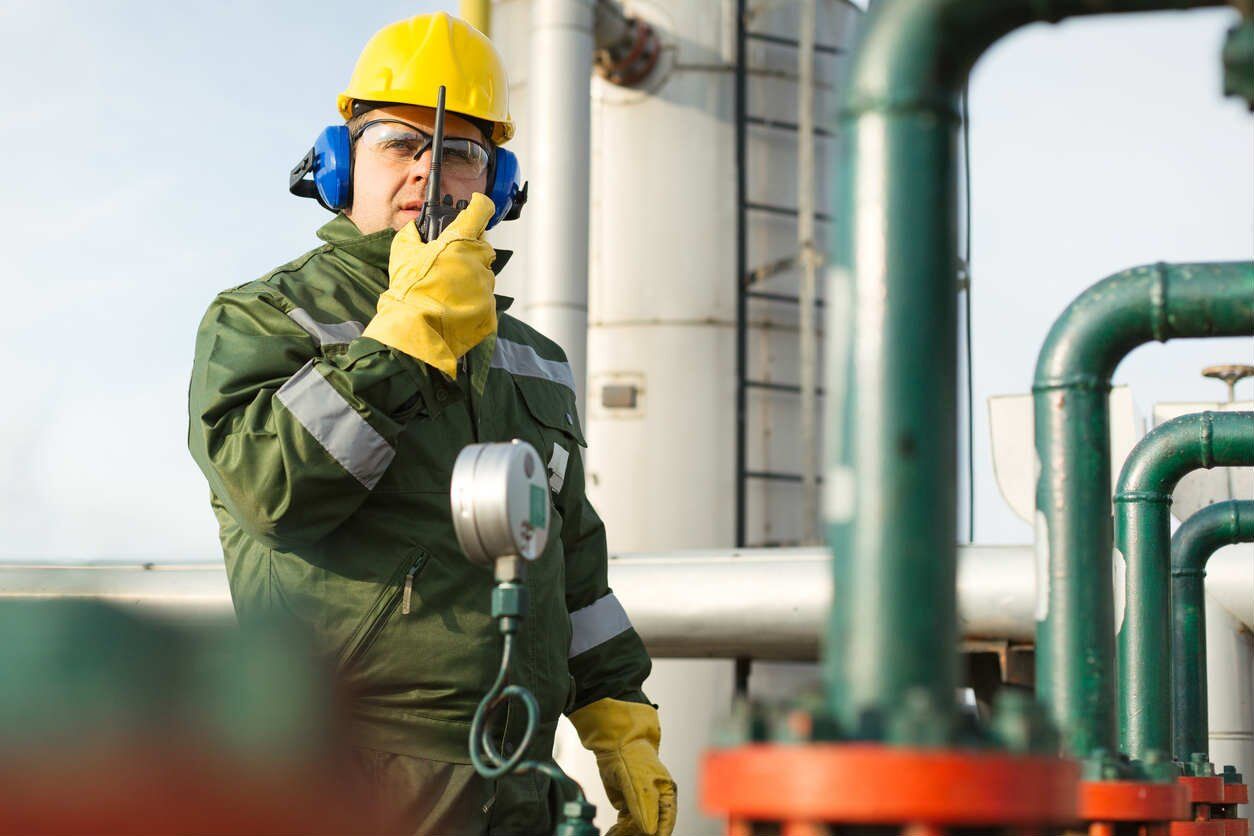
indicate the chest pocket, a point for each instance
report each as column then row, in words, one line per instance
column 551, row 407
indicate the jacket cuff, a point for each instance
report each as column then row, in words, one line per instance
column 420, row 389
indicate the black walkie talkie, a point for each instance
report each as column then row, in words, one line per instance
column 438, row 210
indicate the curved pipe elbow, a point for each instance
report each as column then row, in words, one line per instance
column 1101, row 327
column 1207, row 531
column 1171, row 451
column 1156, row 302
column 918, row 54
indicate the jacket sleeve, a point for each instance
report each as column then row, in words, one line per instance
column 607, row 657
column 291, row 437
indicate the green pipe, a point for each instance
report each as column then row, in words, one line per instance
column 1202, row 534
column 891, row 505
column 1143, row 536
column 1075, row 647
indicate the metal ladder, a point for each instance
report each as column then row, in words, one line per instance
column 748, row 278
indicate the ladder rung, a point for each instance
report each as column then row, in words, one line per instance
column 776, row 476
column 793, row 43
column 786, row 211
column 772, row 476
column 781, row 125
column 791, row 388
column 772, row 268
column 779, row 297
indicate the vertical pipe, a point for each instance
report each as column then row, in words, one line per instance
column 1230, row 698
column 901, row 569
column 1075, row 659
column 478, row 13
column 1143, row 535
column 1188, row 663
column 742, row 277
column 808, row 296
column 1193, row 544
column 560, row 119
column 892, row 504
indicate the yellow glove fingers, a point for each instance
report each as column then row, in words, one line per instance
column 625, row 737
column 624, row 827
column 668, row 808
column 439, row 303
column 637, row 780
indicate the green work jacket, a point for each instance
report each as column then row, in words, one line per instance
column 329, row 457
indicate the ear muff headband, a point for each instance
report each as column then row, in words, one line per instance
column 330, row 164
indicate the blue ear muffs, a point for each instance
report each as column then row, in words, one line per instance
column 330, row 164
column 505, row 186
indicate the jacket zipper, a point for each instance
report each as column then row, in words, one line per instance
column 470, row 395
column 409, row 588
column 397, row 593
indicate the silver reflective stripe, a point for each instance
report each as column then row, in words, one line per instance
column 335, row 333
column 557, row 467
column 338, row 427
column 597, row 623
column 520, row 359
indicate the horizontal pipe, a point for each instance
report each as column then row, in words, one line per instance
column 752, row 603
column 1193, row 544
column 1143, row 535
column 1075, row 660
column 743, row 603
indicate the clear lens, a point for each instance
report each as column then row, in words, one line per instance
column 400, row 143
column 464, row 158
column 393, row 140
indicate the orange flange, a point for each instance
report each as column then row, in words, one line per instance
column 869, row 783
column 1236, row 827
column 1207, row 789
column 1236, row 794
column 140, row 790
column 1124, row 801
column 1207, row 827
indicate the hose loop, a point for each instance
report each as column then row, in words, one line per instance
column 489, row 761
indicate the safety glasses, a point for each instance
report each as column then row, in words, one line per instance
column 401, row 143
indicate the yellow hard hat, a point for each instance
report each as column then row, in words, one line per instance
column 407, row 61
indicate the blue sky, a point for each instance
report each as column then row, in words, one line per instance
column 147, row 147
column 1097, row 145
column 148, row 159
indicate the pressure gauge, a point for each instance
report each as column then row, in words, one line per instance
column 500, row 502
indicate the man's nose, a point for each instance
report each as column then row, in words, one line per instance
column 420, row 168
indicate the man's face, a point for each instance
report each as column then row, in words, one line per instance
column 389, row 186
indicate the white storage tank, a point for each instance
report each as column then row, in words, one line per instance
column 663, row 290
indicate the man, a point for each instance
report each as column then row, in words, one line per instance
column 328, row 402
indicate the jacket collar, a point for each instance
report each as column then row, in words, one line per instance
column 343, row 234
column 375, row 248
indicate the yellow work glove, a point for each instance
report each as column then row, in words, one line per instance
column 625, row 737
column 439, row 303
